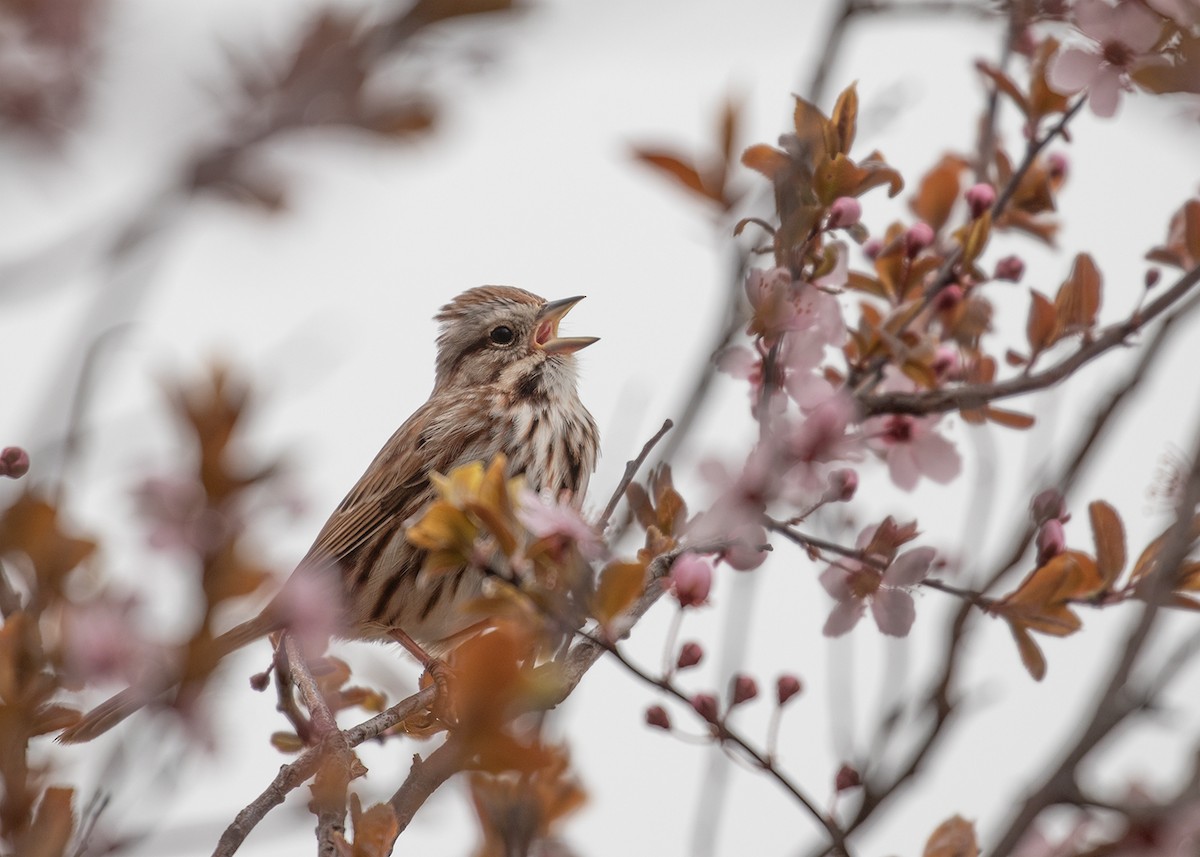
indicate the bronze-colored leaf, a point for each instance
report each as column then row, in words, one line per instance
column 938, row 191
column 1004, row 84
column 1041, row 327
column 50, row 833
column 845, row 120
column 1078, row 299
column 374, row 830
column 766, row 160
column 954, row 837
column 1109, row 535
column 1009, row 419
column 620, row 585
column 1030, row 651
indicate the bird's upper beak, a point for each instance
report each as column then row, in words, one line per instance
column 546, row 335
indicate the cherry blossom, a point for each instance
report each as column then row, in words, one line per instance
column 1123, row 34
column 551, row 520
column 691, row 580
column 855, row 584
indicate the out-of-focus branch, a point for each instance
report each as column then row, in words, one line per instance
column 1116, row 700
column 848, row 10
column 424, row 778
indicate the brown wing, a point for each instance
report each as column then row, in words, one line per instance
column 396, row 484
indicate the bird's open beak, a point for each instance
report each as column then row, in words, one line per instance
column 546, row 334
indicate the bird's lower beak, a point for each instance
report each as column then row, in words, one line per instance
column 546, row 334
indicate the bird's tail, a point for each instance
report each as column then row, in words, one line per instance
column 112, row 711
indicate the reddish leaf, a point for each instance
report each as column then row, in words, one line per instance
column 1078, row 299
column 1031, row 653
column 844, row 120
column 1109, row 534
column 766, row 160
column 938, row 191
column 1009, row 419
column 1041, row 326
column 620, row 585
column 50, row 832
column 675, row 167
column 954, row 837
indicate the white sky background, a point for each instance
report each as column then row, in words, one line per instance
column 527, row 181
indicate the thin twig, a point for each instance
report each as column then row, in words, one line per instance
column 631, row 469
column 424, row 778
column 971, row 396
column 294, row 775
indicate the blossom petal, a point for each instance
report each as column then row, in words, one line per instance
column 843, row 618
column 1072, row 70
column 902, row 467
column 1105, row 92
column 910, row 568
column 936, row 457
column 1136, row 26
column 836, row 580
column 894, row 611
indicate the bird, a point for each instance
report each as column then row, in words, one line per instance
column 505, row 382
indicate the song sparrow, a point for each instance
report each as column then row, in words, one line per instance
column 505, row 382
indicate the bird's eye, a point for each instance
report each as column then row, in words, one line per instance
column 502, row 335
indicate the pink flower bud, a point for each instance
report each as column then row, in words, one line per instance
column 847, row 778
column 691, row 579
column 1058, row 165
column 947, row 364
column 980, row 199
column 1048, row 505
column 786, row 687
column 872, row 248
column 14, row 462
column 948, row 298
column 690, row 655
column 917, row 238
column 657, row 717
column 1010, row 268
column 845, row 211
column 842, row 485
column 1051, row 541
column 706, row 706
column 744, row 689
column 1152, row 277
column 260, row 681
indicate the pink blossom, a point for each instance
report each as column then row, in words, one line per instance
column 917, row 238
column 872, row 247
column 1010, row 268
column 912, row 448
column 310, row 605
column 947, row 364
column 1123, row 34
column 822, row 435
column 179, row 516
column 854, row 585
column 1051, row 541
column 948, row 298
column 843, row 484
column 787, row 687
column 845, row 211
column 736, row 514
column 980, row 199
column 547, row 519
column 101, row 642
column 743, row 689
column 690, row 654
column 691, row 580
column 1185, row 13
column 14, row 462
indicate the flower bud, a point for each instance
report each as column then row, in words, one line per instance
column 1058, row 165
column 847, row 778
column 872, row 248
column 260, row 681
column 1152, row 277
column 917, row 238
column 947, row 364
column 743, row 689
column 657, row 717
column 14, row 462
column 842, row 485
column 706, row 706
column 1047, row 505
column 1010, row 268
column 691, row 579
column 1051, row 541
column 980, row 199
column 948, row 298
column 786, row 687
column 845, row 211
column 690, row 655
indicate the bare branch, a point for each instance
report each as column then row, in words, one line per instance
column 631, row 469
